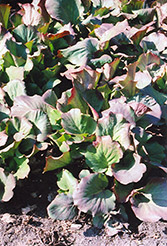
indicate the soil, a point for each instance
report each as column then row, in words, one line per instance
column 24, row 221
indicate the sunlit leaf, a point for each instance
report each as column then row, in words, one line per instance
column 91, row 195
column 74, row 122
column 66, row 181
column 65, row 10
column 4, row 14
column 62, row 208
column 130, row 169
column 150, row 203
column 53, row 163
column 81, row 52
column 7, row 184
column 105, row 154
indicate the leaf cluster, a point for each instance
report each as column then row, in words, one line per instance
column 85, row 81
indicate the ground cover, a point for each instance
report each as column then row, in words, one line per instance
column 83, row 101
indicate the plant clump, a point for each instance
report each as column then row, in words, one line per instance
column 85, row 82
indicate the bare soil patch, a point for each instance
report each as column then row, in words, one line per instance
column 24, row 222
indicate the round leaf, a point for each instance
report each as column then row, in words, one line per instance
column 91, row 196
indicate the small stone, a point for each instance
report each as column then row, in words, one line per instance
column 7, row 218
column 75, row 227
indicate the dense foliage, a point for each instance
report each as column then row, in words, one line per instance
column 85, row 83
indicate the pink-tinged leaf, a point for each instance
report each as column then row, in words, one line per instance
column 109, row 69
column 118, row 106
column 161, row 13
column 91, row 195
column 143, row 79
column 104, row 154
column 65, row 11
column 62, row 208
column 3, row 138
column 108, row 34
column 7, row 183
column 158, row 39
column 102, row 29
column 39, row 5
column 80, row 53
column 150, row 203
column 31, row 16
column 6, row 36
column 25, row 104
column 139, row 108
column 116, row 127
column 84, row 75
column 147, row 61
column 129, row 170
column 140, row 33
column 53, row 163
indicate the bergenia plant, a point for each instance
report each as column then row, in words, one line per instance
column 85, row 80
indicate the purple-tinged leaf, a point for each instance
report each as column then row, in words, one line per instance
column 143, row 79
column 7, row 183
column 25, row 104
column 74, row 122
column 116, row 127
column 109, row 69
column 31, row 16
column 150, row 203
column 102, row 156
column 129, row 170
column 139, row 108
column 80, row 53
column 84, row 75
column 147, row 61
column 91, row 195
column 65, row 11
column 158, row 39
column 62, row 208
column 53, row 163
column 106, row 32
column 118, row 106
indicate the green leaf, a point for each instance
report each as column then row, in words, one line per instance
column 65, row 10
column 53, row 163
column 74, row 122
column 116, row 127
column 150, row 203
column 66, row 181
column 23, row 168
column 15, row 87
column 80, row 53
column 62, row 208
column 4, row 14
column 91, row 195
column 106, row 153
column 7, row 184
column 25, row 34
